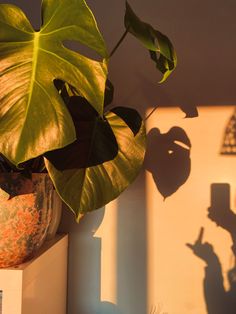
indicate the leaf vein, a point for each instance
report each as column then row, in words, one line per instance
column 52, row 17
column 58, row 30
column 55, row 55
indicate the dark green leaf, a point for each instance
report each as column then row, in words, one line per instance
column 160, row 47
column 88, row 188
column 134, row 121
column 95, row 143
column 109, row 93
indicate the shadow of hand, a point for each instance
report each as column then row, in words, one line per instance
column 203, row 250
column 223, row 217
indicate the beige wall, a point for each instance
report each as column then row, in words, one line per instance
column 137, row 260
column 175, row 274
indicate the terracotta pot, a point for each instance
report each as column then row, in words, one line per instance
column 25, row 215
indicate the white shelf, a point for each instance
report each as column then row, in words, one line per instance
column 40, row 285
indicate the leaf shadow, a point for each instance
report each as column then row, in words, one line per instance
column 168, row 159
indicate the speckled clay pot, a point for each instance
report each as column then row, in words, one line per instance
column 25, row 214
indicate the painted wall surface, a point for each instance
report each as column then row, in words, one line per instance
column 175, row 274
column 203, row 34
column 132, row 257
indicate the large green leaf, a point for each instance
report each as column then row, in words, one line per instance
column 160, row 47
column 95, row 141
column 33, row 117
column 108, row 155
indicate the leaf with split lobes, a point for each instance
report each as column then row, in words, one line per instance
column 101, row 176
column 33, row 117
column 160, row 47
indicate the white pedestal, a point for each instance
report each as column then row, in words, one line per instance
column 40, row 285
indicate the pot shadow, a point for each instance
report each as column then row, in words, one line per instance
column 168, row 159
column 131, row 250
column 84, row 264
column 218, row 299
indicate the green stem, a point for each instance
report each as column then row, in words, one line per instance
column 118, row 44
column 148, row 116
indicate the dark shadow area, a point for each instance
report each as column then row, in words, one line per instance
column 0, row 301
column 84, row 269
column 132, row 290
column 218, row 299
column 95, row 141
column 168, row 159
column 220, row 211
column 15, row 184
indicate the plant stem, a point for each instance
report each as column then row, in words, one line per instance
column 119, row 42
column 149, row 115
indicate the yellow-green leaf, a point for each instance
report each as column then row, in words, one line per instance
column 33, row 116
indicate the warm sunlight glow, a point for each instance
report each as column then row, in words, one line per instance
column 175, row 274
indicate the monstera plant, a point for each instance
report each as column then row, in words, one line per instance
column 53, row 102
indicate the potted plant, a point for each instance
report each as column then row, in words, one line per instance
column 53, row 117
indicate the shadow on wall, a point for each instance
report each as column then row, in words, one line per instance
column 84, row 272
column 168, row 159
column 132, row 290
column 218, row 300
